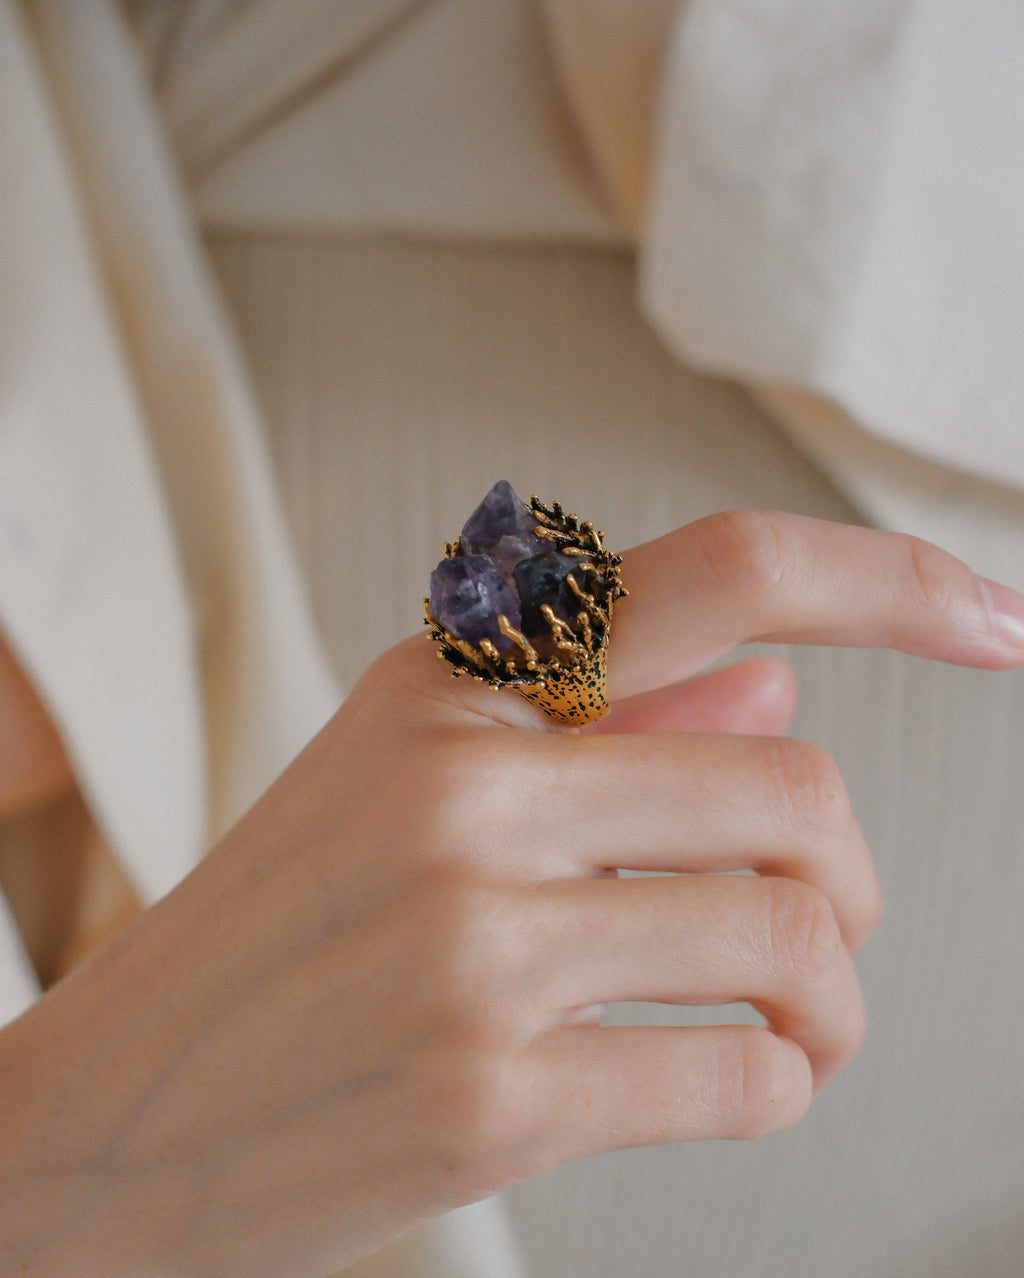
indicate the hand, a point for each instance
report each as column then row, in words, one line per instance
column 375, row 1000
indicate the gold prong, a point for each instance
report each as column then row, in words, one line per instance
column 578, row 590
column 599, row 615
column 468, row 651
column 562, row 632
column 556, row 623
column 517, row 637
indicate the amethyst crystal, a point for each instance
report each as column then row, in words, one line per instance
column 503, row 566
column 543, row 579
column 467, row 594
column 502, row 528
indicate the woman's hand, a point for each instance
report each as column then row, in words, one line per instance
column 377, row 998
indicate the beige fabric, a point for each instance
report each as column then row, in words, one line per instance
column 91, row 591
column 143, row 572
column 825, row 196
column 228, row 74
column 826, row 201
column 265, row 686
column 835, row 206
column 399, row 379
column 611, row 60
column 436, row 117
column 979, row 519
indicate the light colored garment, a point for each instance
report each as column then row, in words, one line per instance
column 145, row 578
column 824, row 196
column 180, row 663
column 826, row 199
column 835, row 208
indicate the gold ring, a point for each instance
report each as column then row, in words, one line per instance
column 523, row 599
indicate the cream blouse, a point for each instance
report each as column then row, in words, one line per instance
column 819, row 206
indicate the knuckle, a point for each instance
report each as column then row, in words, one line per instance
column 928, row 580
column 741, row 551
column 803, row 933
column 484, row 1118
column 465, row 954
column 806, row 784
column 460, row 791
column 764, row 1085
column 462, row 952
column 470, row 1097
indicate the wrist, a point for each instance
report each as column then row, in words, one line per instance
column 71, row 1202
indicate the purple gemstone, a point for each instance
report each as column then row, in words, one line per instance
column 543, row 579
column 501, row 528
column 466, row 595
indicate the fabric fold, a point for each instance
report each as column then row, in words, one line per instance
column 610, row 63
column 835, row 206
column 258, row 61
column 265, row 686
column 443, row 119
column 92, row 593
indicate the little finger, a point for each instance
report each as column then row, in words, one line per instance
column 619, row 1087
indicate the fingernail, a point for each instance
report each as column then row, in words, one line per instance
column 1005, row 609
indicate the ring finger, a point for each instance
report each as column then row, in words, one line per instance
column 710, row 939
column 689, row 803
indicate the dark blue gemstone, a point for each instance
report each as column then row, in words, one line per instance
column 543, row 579
column 501, row 528
column 466, row 595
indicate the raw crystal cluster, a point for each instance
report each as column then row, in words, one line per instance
column 523, row 597
column 503, row 568
column 468, row 595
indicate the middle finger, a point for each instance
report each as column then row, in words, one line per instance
column 687, row 803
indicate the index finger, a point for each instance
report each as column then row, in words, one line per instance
column 742, row 576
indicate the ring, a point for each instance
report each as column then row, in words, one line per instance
column 523, row 599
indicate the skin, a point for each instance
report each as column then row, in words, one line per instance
column 33, row 766
column 74, row 898
column 378, row 998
